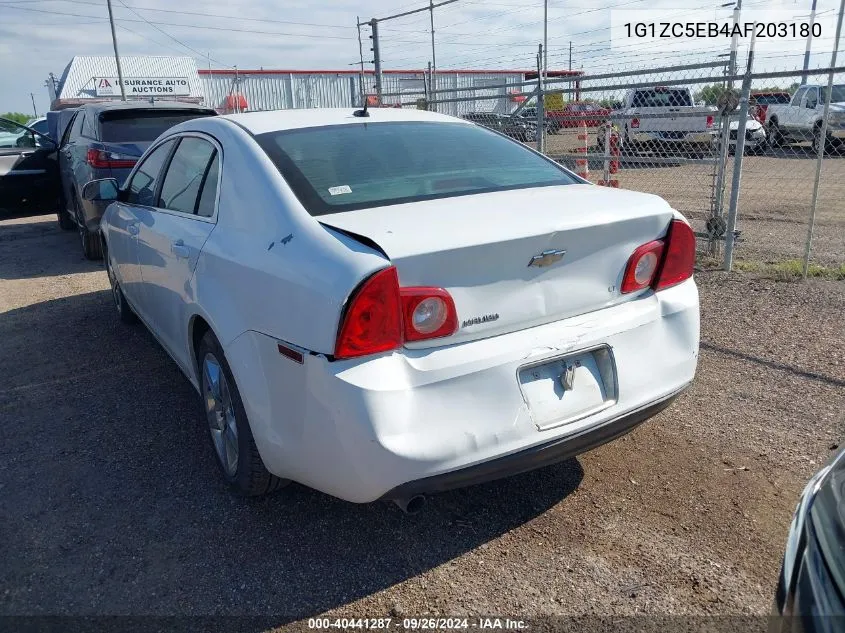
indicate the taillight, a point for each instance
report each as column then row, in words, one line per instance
column 380, row 316
column 102, row 159
column 639, row 273
column 662, row 263
column 373, row 319
column 761, row 113
column 428, row 313
column 678, row 257
column 635, row 122
column 709, row 121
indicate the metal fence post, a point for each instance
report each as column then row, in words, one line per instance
column 822, row 143
column 541, row 114
column 606, row 174
column 739, row 151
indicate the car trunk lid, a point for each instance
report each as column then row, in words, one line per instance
column 514, row 259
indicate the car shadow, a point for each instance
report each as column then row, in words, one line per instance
column 110, row 480
column 57, row 252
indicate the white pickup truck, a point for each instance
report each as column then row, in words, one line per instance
column 663, row 119
column 801, row 119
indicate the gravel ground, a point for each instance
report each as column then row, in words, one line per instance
column 109, row 502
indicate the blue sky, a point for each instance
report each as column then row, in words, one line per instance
column 40, row 36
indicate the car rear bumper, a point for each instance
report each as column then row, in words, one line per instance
column 534, row 457
column 428, row 419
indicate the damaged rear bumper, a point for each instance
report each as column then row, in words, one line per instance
column 362, row 429
column 532, row 458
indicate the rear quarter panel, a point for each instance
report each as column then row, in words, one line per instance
column 268, row 266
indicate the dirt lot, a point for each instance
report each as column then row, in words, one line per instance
column 775, row 196
column 109, row 502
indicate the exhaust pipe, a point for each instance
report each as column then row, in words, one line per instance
column 410, row 505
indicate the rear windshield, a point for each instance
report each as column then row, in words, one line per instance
column 771, row 99
column 345, row 167
column 660, row 98
column 133, row 125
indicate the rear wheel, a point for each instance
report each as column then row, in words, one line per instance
column 817, row 140
column 775, row 135
column 92, row 247
column 231, row 437
column 123, row 310
column 65, row 221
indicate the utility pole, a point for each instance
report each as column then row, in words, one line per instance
column 116, row 54
column 570, row 54
column 809, row 43
column 433, row 72
column 545, row 39
column 361, row 54
column 376, row 58
column 34, row 109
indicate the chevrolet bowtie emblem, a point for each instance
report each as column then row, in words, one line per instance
column 546, row 258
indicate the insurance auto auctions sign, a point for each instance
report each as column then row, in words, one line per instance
column 143, row 86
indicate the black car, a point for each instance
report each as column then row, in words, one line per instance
column 105, row 140
column 516, row 127
column 811, row 589
column 29, row 174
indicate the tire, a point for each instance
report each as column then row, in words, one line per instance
column 775, row 135
column 124, row 311
column 65, row 221
column 229, row 432
column 817, row 133
column 92, row 245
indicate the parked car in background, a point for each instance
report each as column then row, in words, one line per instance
column 519, row 128
column 529, row 115
column 810, row 594
column 663, row 119
column 365, row 308
column 29, row 174
column 759, row 103
column 801, row 119
column 105, row 140
column 755, row 136
column 575, row 112
column 39, row 124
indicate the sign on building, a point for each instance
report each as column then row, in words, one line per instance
column 143, row 87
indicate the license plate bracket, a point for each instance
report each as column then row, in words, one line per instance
column 567, row 388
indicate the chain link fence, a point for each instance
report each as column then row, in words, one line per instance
column 676, row 131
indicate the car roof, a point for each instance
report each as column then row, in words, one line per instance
column 276, row 120
column 144, row 105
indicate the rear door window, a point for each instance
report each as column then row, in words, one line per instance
column 76, row 128
column 142, row 187
column 185, row 173
column 126, row 126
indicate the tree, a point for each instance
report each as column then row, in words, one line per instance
column 17, row 117
column 710, row 93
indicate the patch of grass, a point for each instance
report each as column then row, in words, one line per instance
column 790, row 270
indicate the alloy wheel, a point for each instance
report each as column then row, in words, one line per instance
column 220, row 413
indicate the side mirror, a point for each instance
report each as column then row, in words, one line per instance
column 104, row 190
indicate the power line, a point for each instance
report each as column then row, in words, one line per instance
column 166, row 34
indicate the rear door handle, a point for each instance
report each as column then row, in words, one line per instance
column 179, row 249
column 132, row 228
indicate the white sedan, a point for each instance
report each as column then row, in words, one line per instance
column 385, row 304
